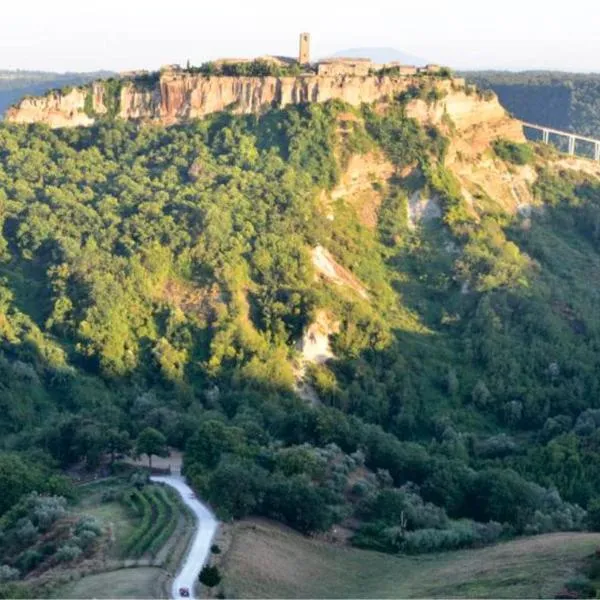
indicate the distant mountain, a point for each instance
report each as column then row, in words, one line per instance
column 14, row 85
column 383, row 55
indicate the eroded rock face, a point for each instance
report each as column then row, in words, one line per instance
column 180, row 96
column 55, row 109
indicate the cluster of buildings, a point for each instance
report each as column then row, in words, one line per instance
column 359, row 67
column 328, row 67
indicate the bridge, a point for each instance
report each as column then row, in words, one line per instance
column 572, row 138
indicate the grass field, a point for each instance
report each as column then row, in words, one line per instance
column 141, row 582
column 268, row 561
column 115, row 515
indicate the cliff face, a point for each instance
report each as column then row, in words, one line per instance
column 55, row 109
column 178, row 96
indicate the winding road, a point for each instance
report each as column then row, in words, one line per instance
column 206, row 527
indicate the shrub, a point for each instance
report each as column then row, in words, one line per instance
column 29, row 560
column 518, row 154
column 68, row 553
column 581, row 586
column 215, row 549
column 27, row 533
column 361, row 488
column 461, row 534
column 89, row 524
column 47, row 510
column 210, row 576
column 7, row 573
column 85, row 539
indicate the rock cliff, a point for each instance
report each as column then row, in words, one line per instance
column 174, row 97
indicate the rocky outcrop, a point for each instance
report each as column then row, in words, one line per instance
column 55, row 109
column 314, row 349
column 329, row 269
column 362, row 185
column 176, row 96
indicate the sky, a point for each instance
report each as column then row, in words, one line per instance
column 86, row 35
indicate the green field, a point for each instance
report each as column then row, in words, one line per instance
column 147, row 527
column 115, row 516
column 268, row 561
column 141, row 582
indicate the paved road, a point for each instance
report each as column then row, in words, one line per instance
column 206, row 527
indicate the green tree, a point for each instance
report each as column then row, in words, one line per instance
column 151, row 442
column 17, row 477
column 210, row 576
column 593, row 514
column 117, row 442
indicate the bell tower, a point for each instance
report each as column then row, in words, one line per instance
column 304, row 56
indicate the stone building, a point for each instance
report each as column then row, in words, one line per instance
column 431, row 69
column 334, row 67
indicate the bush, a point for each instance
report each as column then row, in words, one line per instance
column 89, row 524
column 461, row 534
column 68, row 553
column 29, row 560
column 518, row 154
column 8, row 574
column 27, row 533
column 581, row 586
column 46, row 510
column 85, row 539
column 210, row 576
column 215, row 549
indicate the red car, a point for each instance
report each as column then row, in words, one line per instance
column 184, row 592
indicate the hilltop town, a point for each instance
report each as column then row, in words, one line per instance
column 240, row 85
column 302, row 65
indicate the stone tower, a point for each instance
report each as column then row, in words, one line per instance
column 304, row 57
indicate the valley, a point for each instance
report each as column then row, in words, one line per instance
column 350, row 302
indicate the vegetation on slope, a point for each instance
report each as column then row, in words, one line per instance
column 567, row 101
column 159, row 278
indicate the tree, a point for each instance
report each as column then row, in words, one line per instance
column 117, row 442
column 17, row 478
column 151, row 441
column 212, row 440
column 210, row 576
column 593, row 514
column 237, row 487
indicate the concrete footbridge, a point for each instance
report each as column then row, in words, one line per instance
column 572, row 138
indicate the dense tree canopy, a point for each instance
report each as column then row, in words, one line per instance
column 154, row 282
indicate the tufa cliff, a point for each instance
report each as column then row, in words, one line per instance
column 176, row 96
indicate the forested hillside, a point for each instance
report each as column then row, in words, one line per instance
column 14, row 85
column 159, row 278
column 567, row 101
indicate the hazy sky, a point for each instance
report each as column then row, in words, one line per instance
column 122, row 34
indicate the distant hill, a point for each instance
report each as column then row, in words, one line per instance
column 16, row 84
column 569, row 101
column 383, row 55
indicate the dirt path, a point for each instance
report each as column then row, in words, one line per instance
column 206, row 527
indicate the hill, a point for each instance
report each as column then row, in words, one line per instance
column 567, row 101
column 15, row 85
column 382, row 55
column 267, row 561
column 373, row 317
